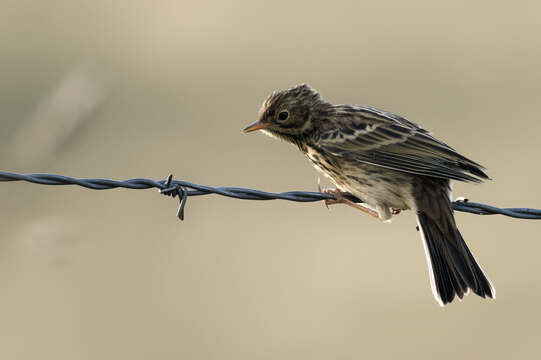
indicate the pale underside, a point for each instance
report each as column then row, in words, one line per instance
column 379, row 188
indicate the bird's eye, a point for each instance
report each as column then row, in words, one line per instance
column 283, row 115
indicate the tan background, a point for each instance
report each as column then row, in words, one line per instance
column 139, row 89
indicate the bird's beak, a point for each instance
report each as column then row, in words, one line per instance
column 258, row 125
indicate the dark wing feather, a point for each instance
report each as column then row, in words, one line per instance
column 384, row 139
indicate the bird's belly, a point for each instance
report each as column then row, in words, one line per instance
column 375, row 191
column 375, row 185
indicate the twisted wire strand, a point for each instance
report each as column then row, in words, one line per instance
column 184, row 189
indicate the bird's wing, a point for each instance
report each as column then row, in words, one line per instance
column 384, row 139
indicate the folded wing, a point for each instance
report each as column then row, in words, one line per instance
column 384, row 139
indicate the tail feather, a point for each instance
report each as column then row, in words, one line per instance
column 453, row 269
column 484, row 286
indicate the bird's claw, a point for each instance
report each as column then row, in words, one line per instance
column 337, row 194
column 339, row 198
column 334, row 192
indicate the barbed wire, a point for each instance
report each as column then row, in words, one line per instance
column 184, row 189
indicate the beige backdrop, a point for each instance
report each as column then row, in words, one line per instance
column 138, row 89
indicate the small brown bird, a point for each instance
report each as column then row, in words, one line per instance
column 391, row 164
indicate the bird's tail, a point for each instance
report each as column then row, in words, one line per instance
column 452, row 267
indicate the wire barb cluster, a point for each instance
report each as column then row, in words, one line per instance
column 184, row 189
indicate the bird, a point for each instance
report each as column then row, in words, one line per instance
column 391, row 164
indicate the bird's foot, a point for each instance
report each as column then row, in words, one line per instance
column 339, row 198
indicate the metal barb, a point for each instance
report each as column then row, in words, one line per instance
column 184, row 189
column 183, row 197
column 175, row 190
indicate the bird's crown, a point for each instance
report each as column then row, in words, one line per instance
column 299, row 95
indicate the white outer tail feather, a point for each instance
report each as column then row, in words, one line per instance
column 429, row 263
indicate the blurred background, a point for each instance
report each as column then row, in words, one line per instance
column 140, row 89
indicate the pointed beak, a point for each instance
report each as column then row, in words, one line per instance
column 258, row 125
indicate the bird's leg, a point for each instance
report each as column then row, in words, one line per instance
column 340, row 199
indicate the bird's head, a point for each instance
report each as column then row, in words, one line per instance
column 287, row 113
